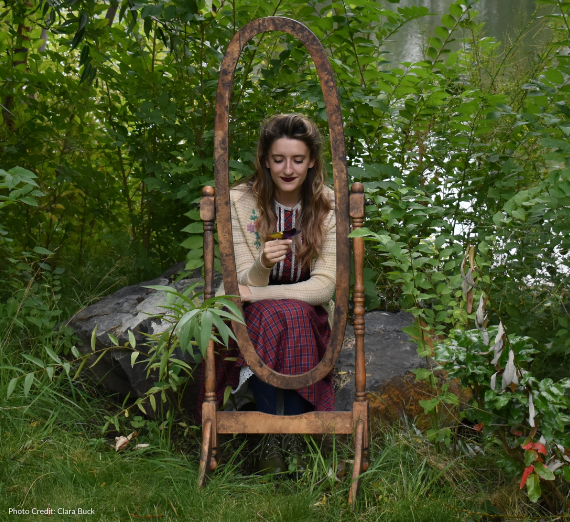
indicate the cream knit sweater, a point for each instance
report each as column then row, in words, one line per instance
column 317, row 290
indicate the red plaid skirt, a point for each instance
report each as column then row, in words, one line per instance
column 290, row 336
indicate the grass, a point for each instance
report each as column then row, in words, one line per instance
column 53, row 455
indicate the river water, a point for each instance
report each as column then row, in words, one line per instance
column 503, row 19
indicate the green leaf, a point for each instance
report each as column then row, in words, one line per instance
column 194, row 228
column 29, row 200
column 192, row 242
column 84, row 55
column 533, row 487
column 132, row 340
column 483, row 247
column 11, row 387
column 76, row 376
column 450, row 398
column 237, row 316
column 413, row 330
column 205, row 331
column 28, row 380
column 162, row 288
column 227, row 393
column 78, row 37
column 448, row 21
column 456, row 10
column 163, row 365
column 422, row 374
column 33, row 359
column 52, row 354
column 223, row 330
column 42, row 250
column 429, row 405
column 498, row 218
column 530, row 457
column 134, row 356
column 93, row 338
column 554, row 76
column 442, row 32
column 543, row 471
column 152, row 402
column 188, row 316
column 114, row 340
column 565, row 470
column 99, row 358
column 362, row 232
column 184, row 336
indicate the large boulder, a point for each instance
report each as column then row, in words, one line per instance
column 132, row 308
column 393, row 391
column 390, row 354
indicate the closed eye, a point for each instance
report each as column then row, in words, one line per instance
column 297, row 161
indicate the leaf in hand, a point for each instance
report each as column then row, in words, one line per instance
column 286, row 234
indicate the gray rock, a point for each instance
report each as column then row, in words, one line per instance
column 388, row 352
column 131, row 308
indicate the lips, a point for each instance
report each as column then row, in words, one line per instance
column 288, row 180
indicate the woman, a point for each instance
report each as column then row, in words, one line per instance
column 286, row 285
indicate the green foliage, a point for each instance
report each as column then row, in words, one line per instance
column 106, row 138
column 191, row 324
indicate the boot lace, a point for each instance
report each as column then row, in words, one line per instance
column 270, row 447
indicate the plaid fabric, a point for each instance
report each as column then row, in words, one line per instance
column 289, row 335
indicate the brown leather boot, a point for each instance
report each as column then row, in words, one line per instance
column 294, row 448
column 271, row 457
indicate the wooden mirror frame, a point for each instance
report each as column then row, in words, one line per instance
column 223, row 210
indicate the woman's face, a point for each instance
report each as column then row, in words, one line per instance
column 288, row 160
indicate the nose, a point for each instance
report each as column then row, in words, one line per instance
column 288, row 167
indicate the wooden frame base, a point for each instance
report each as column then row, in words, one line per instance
column 329, row 422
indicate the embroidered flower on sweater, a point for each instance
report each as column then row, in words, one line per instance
column 252, row 227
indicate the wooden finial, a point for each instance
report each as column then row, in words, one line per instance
column 357, row 188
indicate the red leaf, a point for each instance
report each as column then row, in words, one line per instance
column 479, row 427
column 539, row 447
column 526, row 474
column 517, row 433
column 528, row 446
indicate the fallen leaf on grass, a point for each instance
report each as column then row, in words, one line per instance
column 122, row 442
column 322, row 502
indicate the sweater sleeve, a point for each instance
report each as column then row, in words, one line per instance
column 249, row 269
column 320, row 287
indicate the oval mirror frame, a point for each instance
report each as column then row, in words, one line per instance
column 223, row 210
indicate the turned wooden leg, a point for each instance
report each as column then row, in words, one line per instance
column 209, row 408
column 206, row 455
column 357, row 469
column 366, row 448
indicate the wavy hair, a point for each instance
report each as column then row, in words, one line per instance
column 315, row 205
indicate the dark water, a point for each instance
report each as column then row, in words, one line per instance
column 503, row 20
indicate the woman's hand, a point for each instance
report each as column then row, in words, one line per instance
column 275, row 251
column 244, row 293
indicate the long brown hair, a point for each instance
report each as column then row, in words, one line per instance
column 315, row 205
